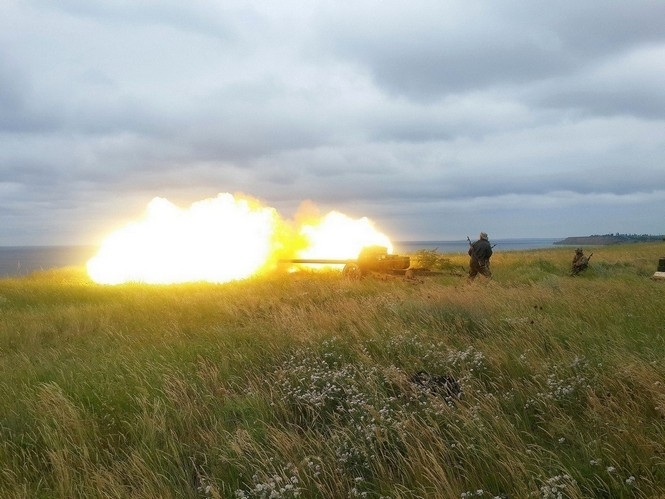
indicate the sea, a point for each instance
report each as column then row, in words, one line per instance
column 18, row 261
column 462, row 246
column 23, row 260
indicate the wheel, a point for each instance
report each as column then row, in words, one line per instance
column 352, row 271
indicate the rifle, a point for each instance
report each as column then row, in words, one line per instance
column 472, row 250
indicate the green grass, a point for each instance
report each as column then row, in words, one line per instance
column 298, row 385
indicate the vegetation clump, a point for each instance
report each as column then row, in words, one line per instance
column 431, row 259
column 313, row 385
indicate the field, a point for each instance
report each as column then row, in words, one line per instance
column 299, row 385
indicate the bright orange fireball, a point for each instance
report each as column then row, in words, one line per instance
column 219, row 240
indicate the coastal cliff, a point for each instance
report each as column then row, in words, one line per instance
column 599, row 240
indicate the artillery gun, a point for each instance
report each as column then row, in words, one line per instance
column 370, row 259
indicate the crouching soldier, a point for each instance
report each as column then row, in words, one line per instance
column 580, row 262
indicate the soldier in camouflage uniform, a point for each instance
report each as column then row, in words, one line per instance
column 480, row 253
column 580, row 262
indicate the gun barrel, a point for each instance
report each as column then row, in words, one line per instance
column 322, row 261
column 370, row 259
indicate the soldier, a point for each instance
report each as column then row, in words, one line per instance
column 480, row 253
column 580, row 262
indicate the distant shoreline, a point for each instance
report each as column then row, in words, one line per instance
column 606, row 239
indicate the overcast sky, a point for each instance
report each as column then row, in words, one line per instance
column 435, row 119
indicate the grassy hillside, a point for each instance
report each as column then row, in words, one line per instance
column 298, row 385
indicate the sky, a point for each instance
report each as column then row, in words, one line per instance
column 434, row 119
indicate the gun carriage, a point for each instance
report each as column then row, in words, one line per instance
column 371, row 259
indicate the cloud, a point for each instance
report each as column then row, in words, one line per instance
column 397, row 112
column 628, row 84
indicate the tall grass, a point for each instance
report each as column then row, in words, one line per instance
column 299, row 385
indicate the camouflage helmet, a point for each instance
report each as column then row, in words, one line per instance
column 579, row 250
column 483, row 235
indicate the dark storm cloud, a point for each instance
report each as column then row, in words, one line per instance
column 631, row 84
column 428, row 70
column 597, row 28
column 10, row 96
column 16, row 112
column 460, row 47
